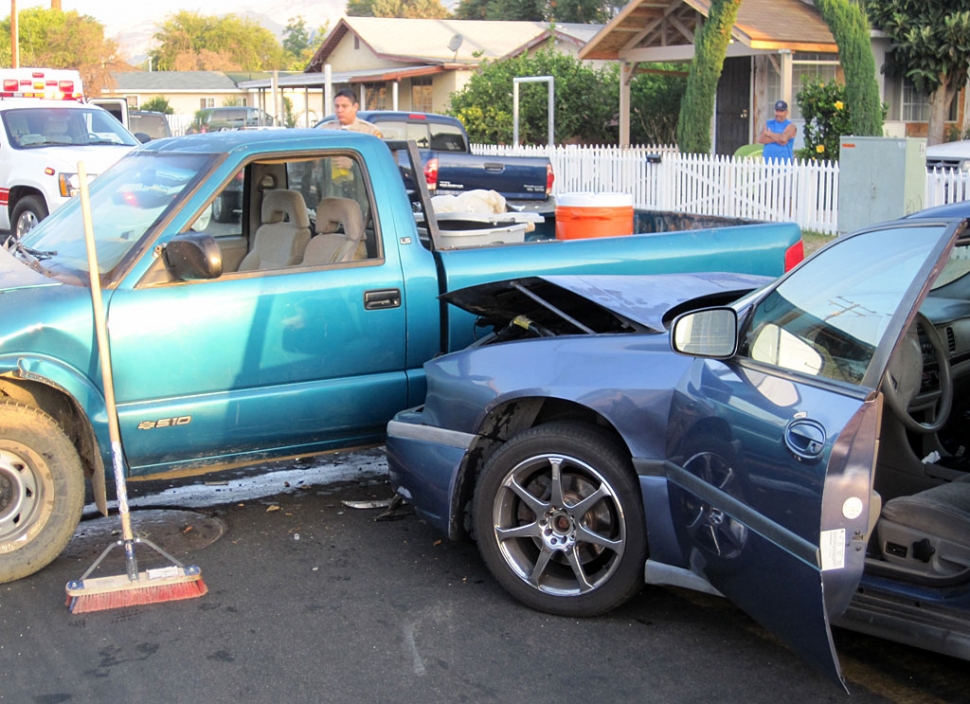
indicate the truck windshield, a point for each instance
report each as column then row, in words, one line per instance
column 54, row 126
column 127, row 200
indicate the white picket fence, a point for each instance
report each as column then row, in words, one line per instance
column 947, row 186
column 660, row 178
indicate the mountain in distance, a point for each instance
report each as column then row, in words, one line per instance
column 135, row 37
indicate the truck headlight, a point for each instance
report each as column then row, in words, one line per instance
column 68, row 184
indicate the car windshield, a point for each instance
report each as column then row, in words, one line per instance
column 33, row 128
column 126, row 201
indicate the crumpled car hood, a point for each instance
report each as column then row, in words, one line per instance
column 647, row 301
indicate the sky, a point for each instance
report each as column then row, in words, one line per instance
column 132, row 23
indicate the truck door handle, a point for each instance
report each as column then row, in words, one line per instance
column 494, row 166
column 382, row 298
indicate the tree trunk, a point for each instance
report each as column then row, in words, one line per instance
column 940, row 100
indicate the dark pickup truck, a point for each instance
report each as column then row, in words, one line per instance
column 450, row 168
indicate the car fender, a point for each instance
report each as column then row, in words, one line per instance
column 83, row 395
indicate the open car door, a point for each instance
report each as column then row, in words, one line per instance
column 771, row 449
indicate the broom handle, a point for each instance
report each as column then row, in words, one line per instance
column 100, row 329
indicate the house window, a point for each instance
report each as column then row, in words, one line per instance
column 421, row 91
column 207, row 103
column 132, row 101
column 805, row 67
column 916, row 105
column 356, row 42
column 375, row 95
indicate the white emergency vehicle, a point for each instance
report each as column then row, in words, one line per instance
column 47, row 128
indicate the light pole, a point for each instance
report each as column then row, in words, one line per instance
column 14, row 39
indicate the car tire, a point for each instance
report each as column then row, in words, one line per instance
column 221, row 209
column 41, row 490
column 537, row 545
column 29, row 211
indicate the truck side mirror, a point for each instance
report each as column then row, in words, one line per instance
column 194, row 256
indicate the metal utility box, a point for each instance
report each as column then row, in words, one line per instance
column 880, row 178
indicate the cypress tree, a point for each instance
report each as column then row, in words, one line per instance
column 710, row 47
column 850, row 27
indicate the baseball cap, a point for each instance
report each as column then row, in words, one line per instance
column 781, row 105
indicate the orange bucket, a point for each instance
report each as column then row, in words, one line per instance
column 584, row 215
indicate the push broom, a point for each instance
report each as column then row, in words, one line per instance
column 170, row 583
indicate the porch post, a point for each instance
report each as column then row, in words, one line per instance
column 394, row 85
column 786, row 76
column 626, row 73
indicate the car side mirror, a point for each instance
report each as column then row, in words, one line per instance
column 706, row 333
column 194, row 256
column 143, row 137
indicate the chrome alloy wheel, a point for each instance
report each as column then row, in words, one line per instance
column 559, row 525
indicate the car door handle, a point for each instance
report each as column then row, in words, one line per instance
column 805, row 438
column 493, row 166
column 382, row 298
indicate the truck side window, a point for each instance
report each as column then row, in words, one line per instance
column 336, row 191
column 447, row 138
column 223, row 220
column 304, row 212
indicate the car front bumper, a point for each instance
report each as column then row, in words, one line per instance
column 423, row 463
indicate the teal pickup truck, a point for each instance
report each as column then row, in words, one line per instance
column 297, row 323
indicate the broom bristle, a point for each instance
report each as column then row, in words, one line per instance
column 119, row 592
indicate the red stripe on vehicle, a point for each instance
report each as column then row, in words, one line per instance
column 4, row 196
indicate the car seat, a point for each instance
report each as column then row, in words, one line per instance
column 282, row 238
column 929, row 531
column 341, row 237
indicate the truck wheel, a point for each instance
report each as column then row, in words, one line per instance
column 41, row 490
column 29, row 211
column 559, row 520
column 221, row 210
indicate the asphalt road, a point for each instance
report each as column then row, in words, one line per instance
column 312, row 601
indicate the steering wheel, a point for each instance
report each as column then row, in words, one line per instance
column 904, row 376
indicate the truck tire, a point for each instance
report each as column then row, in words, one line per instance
column 221, row 209
column 41, row 490
column 29, row 211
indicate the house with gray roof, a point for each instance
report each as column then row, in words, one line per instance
column 391, row 63
column 186, row 91
column 414, row 64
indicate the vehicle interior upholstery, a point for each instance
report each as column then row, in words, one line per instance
column 283, row 233
column 923, row 468
column 303, row 212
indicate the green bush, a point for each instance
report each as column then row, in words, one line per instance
column 157, row 104
column 955, row 134
column 827, row 117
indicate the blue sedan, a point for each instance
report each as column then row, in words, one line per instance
column 798, row 445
